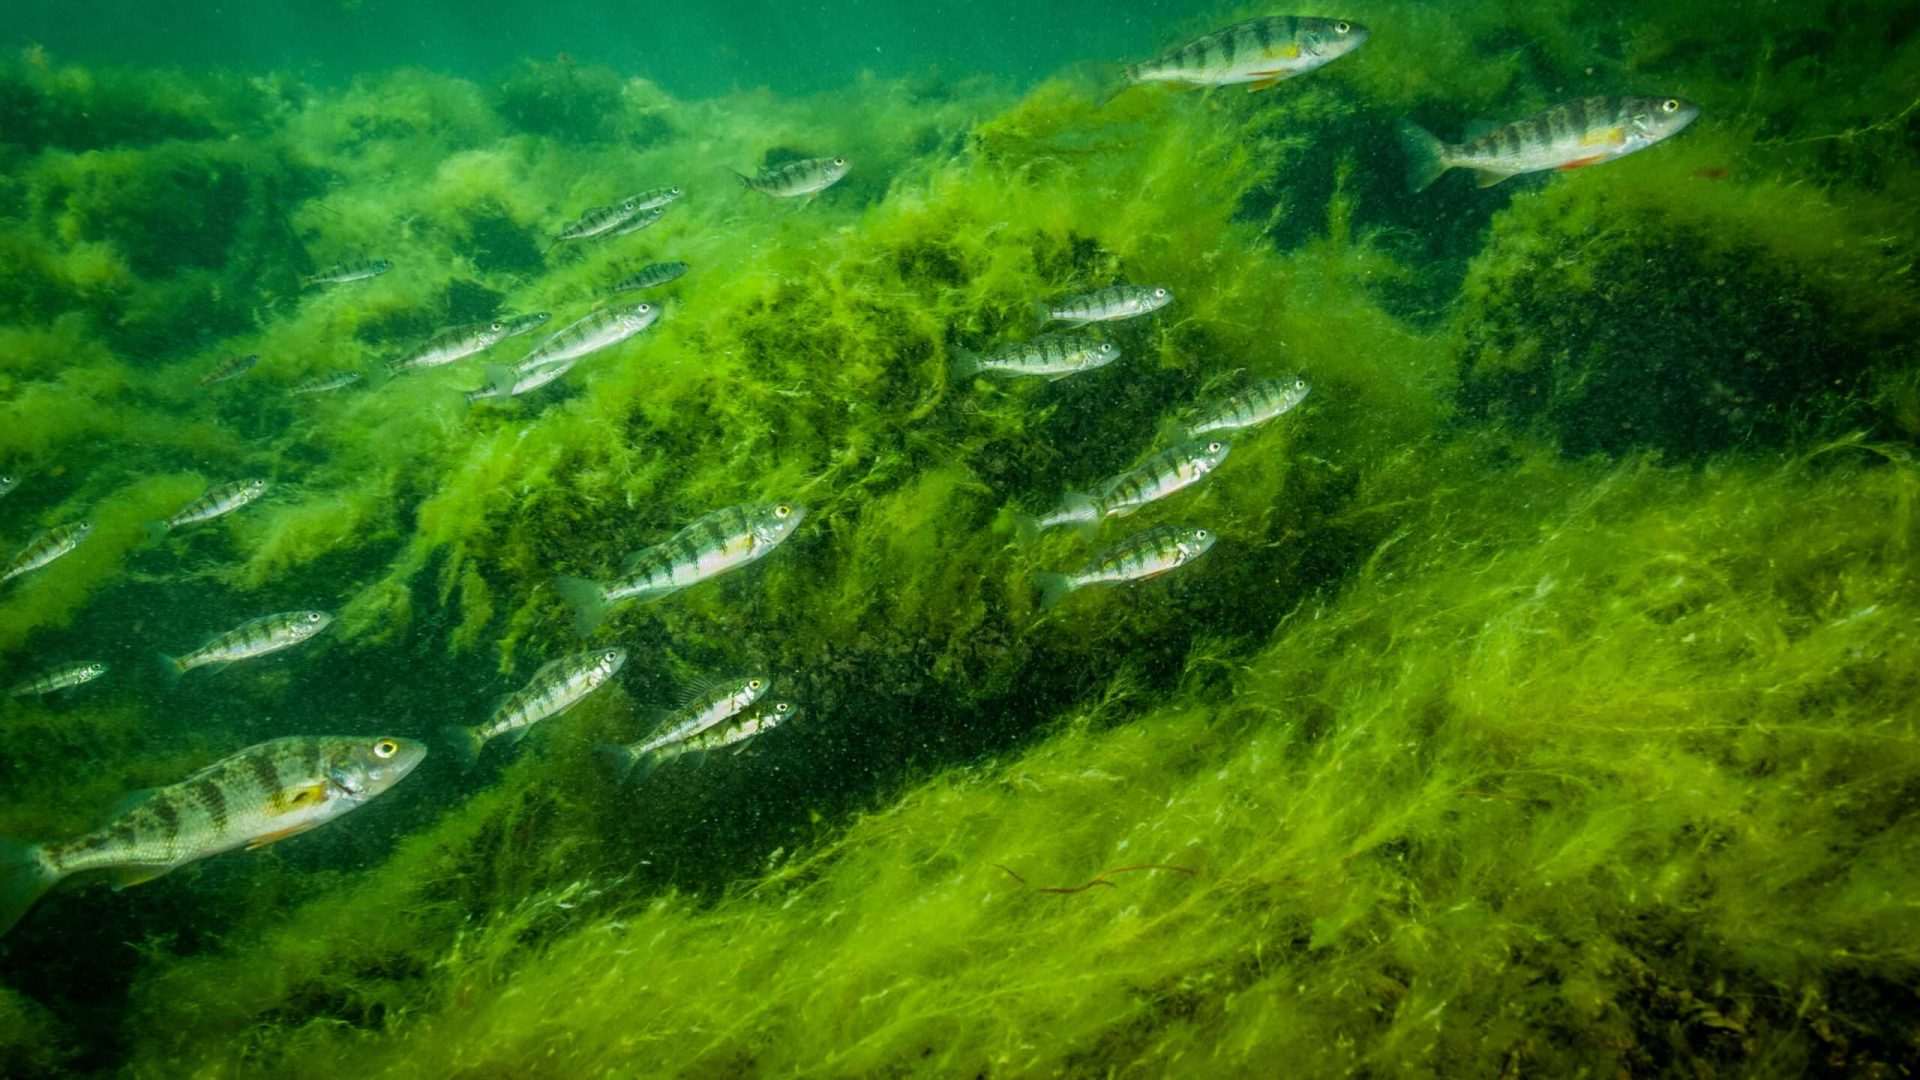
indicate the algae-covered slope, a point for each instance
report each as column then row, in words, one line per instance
column 1543, row 705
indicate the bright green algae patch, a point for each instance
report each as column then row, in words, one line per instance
column 1458, row 754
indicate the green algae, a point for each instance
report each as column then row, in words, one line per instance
column 1464, row 752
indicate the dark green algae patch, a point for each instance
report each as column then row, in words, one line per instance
column 1546, row 706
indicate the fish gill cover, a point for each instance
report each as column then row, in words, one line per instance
column 1544, row 703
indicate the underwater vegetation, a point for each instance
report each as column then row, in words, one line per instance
column 1543, row 704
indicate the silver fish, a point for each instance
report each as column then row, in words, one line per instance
column 649, row 276
column 1258, row 51
column 504, row 382
column 256, row 797
column 60, row 678
column 721, row 541
column 1579, row 133
column 730, row 731
column 590, row 333
column 356, row 270
column 1157, row 551
column 325, row 383
column 1257, row 404
column 634, row 224
column 706, row 706
column 460, row 342
column 1162, row 474
column 1050, row 356
column 253, row 638
column 46, row 547
column 231, row 368
column 797, row 178
column 559, row 685
column 220, row 499
column 1108, row 304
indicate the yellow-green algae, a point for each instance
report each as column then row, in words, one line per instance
column 1457, row 755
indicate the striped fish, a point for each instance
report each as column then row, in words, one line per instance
column 1108, row 304
column 60, row 678
column 1257, row 404
column 590, row 333
column 706, row 706
column 219, row 500
column 559, row 685
column 602, row 220
column 729, row 731
column 1146, row 555
column 326, row 383
column 231, row 368
column 356, row 270
column 502, row 382
column 634, row 224
column 1259, row 51
column 45, row 548
column 798, row 178
column 721, row 541
column 253, row 638
column 1050, row 356
column 9, row 481
column 260, row 795
column 1159, row 476
column 460, row 342
column 649, row 276
column 654, row 198
column 1569, row 136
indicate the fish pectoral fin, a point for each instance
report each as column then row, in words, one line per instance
column 513, row 737
column 127, row 875
column 1488, row 177
column 1263, row 84
column 264, row 839
column 300, row 798
column 1581, row 163
column 1612, row 136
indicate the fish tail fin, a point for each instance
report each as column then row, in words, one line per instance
column 25, row 876
column 1053, row 588
column 963, row 364
column 745, row 180
column 1426, row 155
column 587, row 599
column 1129, row 77
column 1080, row 510
column 466, row 744
column 171, row 666
column 619, row 761
column 1042, row 311
column 1027, row 527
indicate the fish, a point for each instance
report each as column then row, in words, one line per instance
column 654, row 198
column 705, row 706
column 634, row 224
column 712, row 545
column 60, row 678
column 602, row 220
column 253, row 638
column 1108, row 304
column 259, row 796
column 46, row 547
column 798, row 178
column 1260, row 52
column 356, row 270
column 1572, row 135
column 219, row 500
column 231, row 368
column 649, row 276
column 505, row 382
column 460, row 342
column 639, row 759
column 1162, row 474
column 590, row 333
column 1157, row 551
column 559, row 685
column 1257, row 404
column 9, row 481
column 1051, row 356
column 321, row 384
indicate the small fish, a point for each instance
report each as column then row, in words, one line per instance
column 45, row 548
column 1257, row 404
column 253, row 638
column 649, row 276
column 634, row 224
column 721, row 541
column 654, row 198
column 728, row 732
column 1108, row 304
column 1159, row 476
column 590, row 333
column 1573, row 135
column 357, row 270
column 219, row 500
column 1259, row 51
column 460, row 342
column 506, row 382
column 1052, row 356
column 9, row 481
column 1145, row 555
column 706, row 706
column 796, row 178
column 231, row 368
column 321, row 384
column 60, row 678
column 256, row 797
column 559, row 685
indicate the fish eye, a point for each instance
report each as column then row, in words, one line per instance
column 783, row 510
column 1199, row 534
column 609, row 656
column 1159, row 292
column 754, row 684
column 1342, row 27
column 839, row 161
column 385, row 748
column 1670, row 105
column 1214, row 447
column 313, row 616
column 783, row 707
column 643, row 309
column 673, row 191
column 497, row 327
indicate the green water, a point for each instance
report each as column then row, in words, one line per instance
column 1544, row 705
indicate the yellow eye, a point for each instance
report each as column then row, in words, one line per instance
column 385, row 748
column 1670, row 105
column 783, row 511
column 783, row 707
column 753, row 684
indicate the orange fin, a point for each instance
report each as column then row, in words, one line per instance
column 1581, row 163
column 259, row 842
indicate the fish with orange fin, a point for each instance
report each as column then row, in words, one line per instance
column 259, row 796
column 1260, row 52
column 1572, row 135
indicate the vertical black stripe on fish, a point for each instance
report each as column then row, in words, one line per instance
column 265, row 773
column 214, row 800
column 168, row 816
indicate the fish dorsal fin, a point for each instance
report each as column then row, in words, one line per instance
column 1479, row 127
column 692, row 692
column 128, row 802
column 127, row 875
